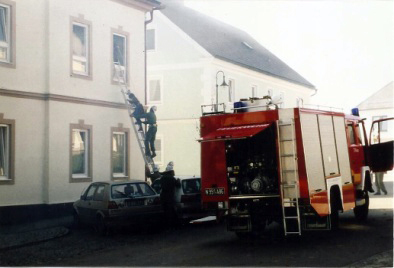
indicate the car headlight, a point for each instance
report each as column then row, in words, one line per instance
column 220, row 205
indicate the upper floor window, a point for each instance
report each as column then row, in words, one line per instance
column 150, row 39
column 7, row 35
column 155, row 90
column 81, row 48
column 120, row 56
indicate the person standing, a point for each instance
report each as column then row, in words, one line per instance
column 379, row 183
column 167, row 196
column 151, row 133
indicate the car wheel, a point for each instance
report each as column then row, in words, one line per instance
column 101, row 226
column 76, row 220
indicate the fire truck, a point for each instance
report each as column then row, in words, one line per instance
column 299, row 167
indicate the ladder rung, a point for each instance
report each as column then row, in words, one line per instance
column 285, row 124
column 293, row 232
column 291, row 217
column 289, row 185
column 289, row 202
column 288, row 170
column 287, row 155
column 287, row 140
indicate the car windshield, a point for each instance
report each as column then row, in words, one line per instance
column 131, row 190
column 191, row 186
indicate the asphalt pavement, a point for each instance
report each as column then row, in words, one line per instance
column 13, row 236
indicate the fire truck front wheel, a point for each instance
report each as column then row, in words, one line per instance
column 361, row 212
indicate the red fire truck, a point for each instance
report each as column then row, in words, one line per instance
column 295, row 166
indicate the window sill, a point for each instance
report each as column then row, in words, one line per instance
column 82, row 76
column 4, row 180
column 76, row 178
column 7, row 64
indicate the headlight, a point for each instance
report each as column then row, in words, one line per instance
column 220, row 205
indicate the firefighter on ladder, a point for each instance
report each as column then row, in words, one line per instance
column 151, row 133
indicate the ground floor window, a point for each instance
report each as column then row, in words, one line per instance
column 4, row 151
column 120, row 152
column 81, row 152
column 7, row 150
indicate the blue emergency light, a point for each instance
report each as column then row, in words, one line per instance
column 355, row 112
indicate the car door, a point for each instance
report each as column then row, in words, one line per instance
column 86, row 210
column 380, row 151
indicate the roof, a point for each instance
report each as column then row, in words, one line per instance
column 381, row 99
column 228, row 43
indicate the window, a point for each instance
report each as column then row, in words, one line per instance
column 352, row 140
column 120, row 56
column 155, row 90
column 99, row 195
column 81, row 62
column 7, row 33
column 382, row 125
column 7, row 148
column 81, row 152
column 254, row 91
column 231, row 90
column 150, row 39
column 90, row 192
column 4, row 151
column 119, row 154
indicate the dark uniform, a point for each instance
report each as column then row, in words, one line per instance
column 138, row 110
column 151, row 133
column 167, row 196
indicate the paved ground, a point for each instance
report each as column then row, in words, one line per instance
column 29, row 235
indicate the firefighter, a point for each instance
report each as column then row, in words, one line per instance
column 138, row 109
column 379, row 183
column 167, row 196
column 151, row 133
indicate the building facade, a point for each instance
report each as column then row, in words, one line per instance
column 63, row 122
column 188, row 54
column 379, row 106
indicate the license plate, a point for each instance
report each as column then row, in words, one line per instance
column 214, row 191
column 131, row 203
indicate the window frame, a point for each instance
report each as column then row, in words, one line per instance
column 88, row 175
column 155, row 78
column 10, row 61
column 80, row 21
column 383, row 126
column 126, row 55
column 126, row 132
column 10, row 176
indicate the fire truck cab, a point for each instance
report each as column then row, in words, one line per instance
column 295, row 166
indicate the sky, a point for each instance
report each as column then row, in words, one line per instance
column 344, row 48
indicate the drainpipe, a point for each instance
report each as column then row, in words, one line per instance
column 315, row 89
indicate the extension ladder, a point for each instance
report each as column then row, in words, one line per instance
column 121, row 77
column 289, row 178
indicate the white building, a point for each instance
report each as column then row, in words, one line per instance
column 378, row 106
column 63, row 122
column 186, row 51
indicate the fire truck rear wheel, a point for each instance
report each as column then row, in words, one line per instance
column 361, row 212
column 334, row 216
